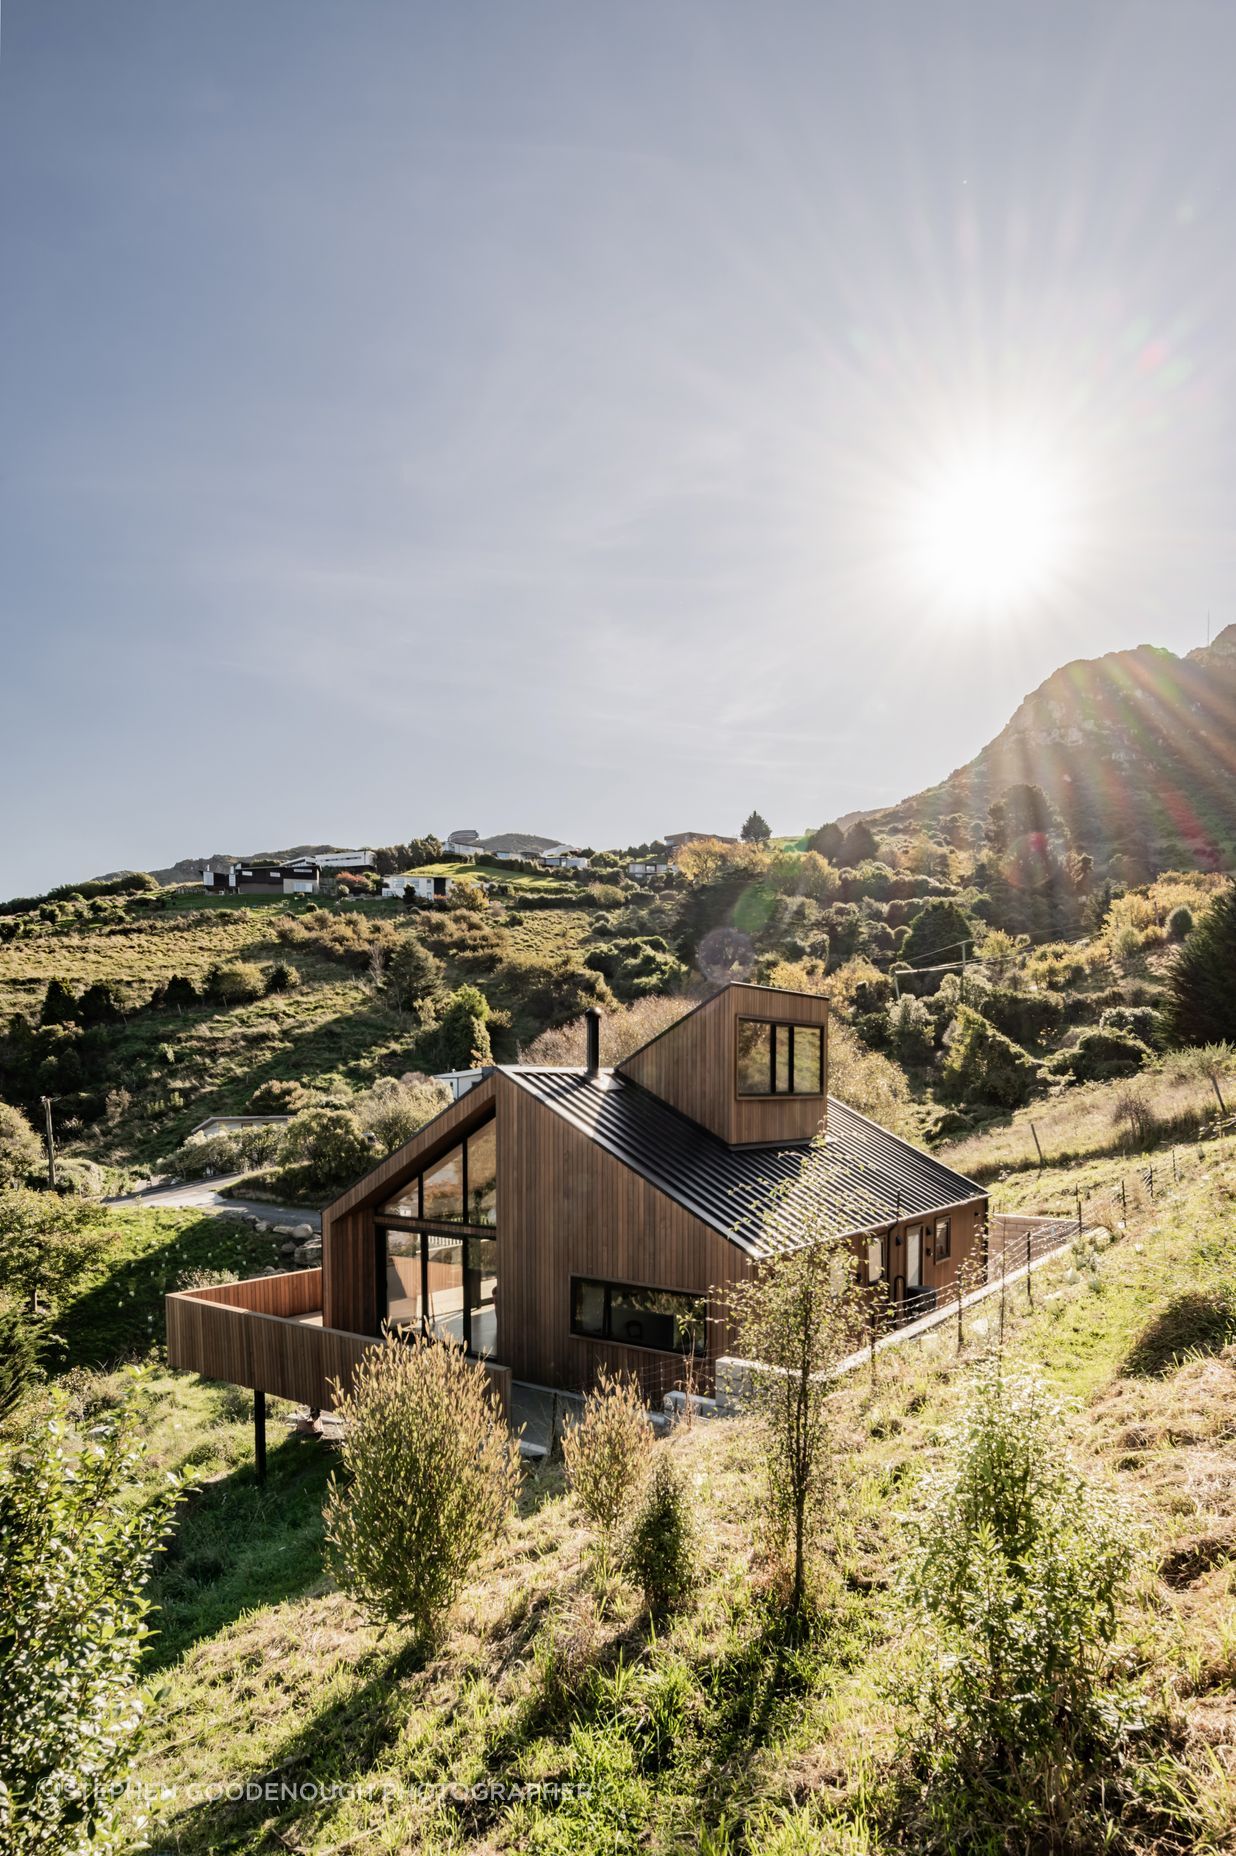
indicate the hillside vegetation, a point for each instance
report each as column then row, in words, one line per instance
column 285, row 1720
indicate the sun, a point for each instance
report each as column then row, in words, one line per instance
column 991, row 533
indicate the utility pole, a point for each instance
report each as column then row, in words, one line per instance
column 50, row 1143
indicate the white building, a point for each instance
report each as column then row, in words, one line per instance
column 425, row 888
column 346, row 860
column 563, row 857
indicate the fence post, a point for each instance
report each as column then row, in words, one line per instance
column 1124, row 1202
column 1150, row 1180
column 1029, row 1271
column 1079, row 1213
column 1175, row 1169
column 1034, row 1131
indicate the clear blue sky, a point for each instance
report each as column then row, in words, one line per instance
column 520, row 415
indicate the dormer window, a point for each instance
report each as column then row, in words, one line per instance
column 777, row 1059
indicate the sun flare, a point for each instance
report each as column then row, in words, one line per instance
column 991, row 532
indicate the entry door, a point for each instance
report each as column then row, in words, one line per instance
column 914, row 1257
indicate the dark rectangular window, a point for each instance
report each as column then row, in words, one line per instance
column 944, row 1239
column 664, row 1319
column 780, row 1060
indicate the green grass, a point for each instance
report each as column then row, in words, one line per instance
column 117, row 1312
column 713, row 1733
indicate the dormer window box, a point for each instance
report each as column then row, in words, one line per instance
column 779, row 1059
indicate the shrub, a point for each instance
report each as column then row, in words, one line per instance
column 911, row 1030
column 982, row 1065
column 396, row 1107
column 603, row 896
column 237, row 983
column 1015, row 1569
column 1140, row 1021
column 328, row 1145
column 1026, row 1017
column 283, row 977
column 21, row 1150
column 1133, row 1111
column 48, row 1245
column 1200, row 1007
column 460, row 1041
column 1099, row 1054
column 278, row 1096
column 659, row 1552
column 21, row 1337
column 77, row 1538
column 607, row 1451
column 430, row 1476
column 937, row 933
column 59, row 1004
column 1180, row 922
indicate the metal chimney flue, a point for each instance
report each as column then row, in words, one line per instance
column 592, row 1028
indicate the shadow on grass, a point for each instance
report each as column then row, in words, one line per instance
column 339, row 1745
column 237, row 1546
column 121, row 1313
column 1201, row 1321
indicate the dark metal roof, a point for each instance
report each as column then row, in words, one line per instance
column 766, row 1199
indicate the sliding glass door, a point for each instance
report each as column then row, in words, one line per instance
column 441, row 1283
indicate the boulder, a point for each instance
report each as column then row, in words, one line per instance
column 303, row 1231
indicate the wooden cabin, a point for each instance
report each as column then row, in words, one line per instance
column 555, row 1221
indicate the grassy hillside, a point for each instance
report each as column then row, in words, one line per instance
column 712, row 1733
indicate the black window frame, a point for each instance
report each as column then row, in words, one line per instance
column 464, row 1236
column 608, row 1339
column 787, row 1026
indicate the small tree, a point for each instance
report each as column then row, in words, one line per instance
column 1015, row 1569
column 396, row 1107
column 938, row 934
column 78, row 1533
column 797, row 1318
column 430, row 1476
column 859, row 843
column 1200, row 1007
column 413, row 974
column 756, row 829
column 20, row 1340
column 48, row 1245
column 607, row 1451
column 982, row 1065
column 660, row 1548
column 21, row 1151
column 461, row 1039
column 1180, row 922
column 59, row 1004
column 829, row 841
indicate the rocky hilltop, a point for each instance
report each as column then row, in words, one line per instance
column 1136, row 749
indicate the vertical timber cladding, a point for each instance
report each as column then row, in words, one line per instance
column 693, row 1066
column 568, row 1208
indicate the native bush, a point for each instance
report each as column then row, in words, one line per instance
column 327, row 1146
column 1015, row 1569
column 1026, row 1017
column 460, row 1039
column 659, row 1552
column 236, row 983
column 278, row 1096
column 607, row 1451
column 1200, row 1007
column 283, row 977
column 413, row 974
column 1180, row 922
column 1101, row 1053
column 430, row 1476
column 982, row 1065
column 48, row 1245
column 21, row 1337
column 910, row 1030
column 21, row 1151
column 1140, row 1021
column 396, row 1107
column 78, row 1533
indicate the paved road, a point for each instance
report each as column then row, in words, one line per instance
column 206, row 1194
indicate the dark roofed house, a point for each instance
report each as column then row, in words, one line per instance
column 559, row 1220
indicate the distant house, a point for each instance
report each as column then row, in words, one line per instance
column 459, row 1081
column 301, row 877
column 233, row 1124
column 464, row 843
column 424, row 888
column 644, row 867
column 346, row 860
column 564, row 857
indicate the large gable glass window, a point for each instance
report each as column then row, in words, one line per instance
column 780, row 1060
column 459, row 1188
column 664, row 1319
